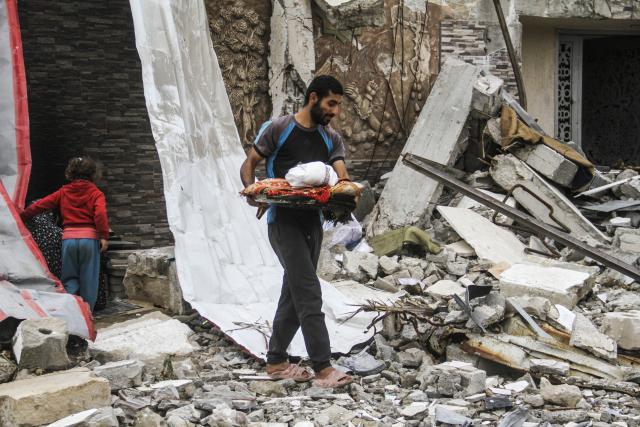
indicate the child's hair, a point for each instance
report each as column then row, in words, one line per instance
column 81, row 168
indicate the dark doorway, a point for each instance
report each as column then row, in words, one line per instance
column 611, row 100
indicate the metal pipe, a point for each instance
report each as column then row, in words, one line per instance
column 512, row 54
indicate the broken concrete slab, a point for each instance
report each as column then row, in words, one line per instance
column 102, row 417
column 292, row 60
column 454, row 379
column 586, row 336
column 536, row 306
column 151, row 276
column 48, row 398
column 548, row 162
column 445, row 288
column 624, row 328
column 508, row 172
column 148, row 338
column 41, row 343
column 486, row 95
column 359, row 265
column 488, row 240
column 121, row 374
column 558, row 285
column 439, row 134
column 389, row 265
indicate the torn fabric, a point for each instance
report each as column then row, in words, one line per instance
column 227, row 269
column 27, row 289
column 15, row 155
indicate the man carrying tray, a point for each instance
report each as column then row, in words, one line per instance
column 296, row 234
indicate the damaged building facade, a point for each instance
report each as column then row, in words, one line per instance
column 489, row 276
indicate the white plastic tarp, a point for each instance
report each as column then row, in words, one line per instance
column 226, row 267
column 15, row 157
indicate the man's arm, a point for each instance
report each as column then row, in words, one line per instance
column 341, row 169
column 248, row 168
column 248, row 172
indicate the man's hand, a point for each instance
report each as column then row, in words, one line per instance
column 104, row 244
column 252, row 202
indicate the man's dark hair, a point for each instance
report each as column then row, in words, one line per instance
column 322, row 85
column 81, row 168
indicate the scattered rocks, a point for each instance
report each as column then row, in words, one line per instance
column 561, row 395
column 122, row 374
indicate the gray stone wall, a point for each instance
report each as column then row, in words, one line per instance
column 86, row 98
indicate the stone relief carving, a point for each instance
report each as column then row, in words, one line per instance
column 385, row 88
column 240, row 35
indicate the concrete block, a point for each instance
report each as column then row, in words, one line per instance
column 360, row 265
column 586, row 336
column 148, row 338
column 548, row 163
column 559, row 285
column 439, row 134
column 624, row 328
column 487, row 239
column 486, row 95
column 151, row 276
column 508, row 171
column 41, row 343
column 48, row 398
column 291, row 55
column 563, row 394
column 454, row 379
column 121, row 374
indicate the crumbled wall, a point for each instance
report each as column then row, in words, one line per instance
column 468, row 41
column 373, row 109
column 86, row 98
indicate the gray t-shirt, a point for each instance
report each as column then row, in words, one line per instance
column 285, row 144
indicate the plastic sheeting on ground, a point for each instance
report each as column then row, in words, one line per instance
column 226, row 267
column 27, row 289
column 15, row 157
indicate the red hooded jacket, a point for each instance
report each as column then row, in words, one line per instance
column 80, row 202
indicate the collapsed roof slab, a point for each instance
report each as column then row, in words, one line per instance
column 537, row 196
column 292, row 59
column 439, row 135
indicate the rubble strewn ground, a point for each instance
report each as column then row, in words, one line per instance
column 495, row 325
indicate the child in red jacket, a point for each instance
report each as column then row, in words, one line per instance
column 83, row 210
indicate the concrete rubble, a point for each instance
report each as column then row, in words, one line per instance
column 41, row 344
column 151, row 276
column 502, row 327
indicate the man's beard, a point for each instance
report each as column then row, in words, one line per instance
column 318, row 116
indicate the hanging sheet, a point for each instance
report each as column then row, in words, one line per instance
column 227, row 269
column 15, row 156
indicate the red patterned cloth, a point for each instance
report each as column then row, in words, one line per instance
column 278, row 187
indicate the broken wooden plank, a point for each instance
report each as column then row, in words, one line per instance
column 440, row 134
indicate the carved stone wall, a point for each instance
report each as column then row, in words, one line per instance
column 240, row 35
column 387, row 73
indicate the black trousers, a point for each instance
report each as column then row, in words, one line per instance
column 297, row 242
